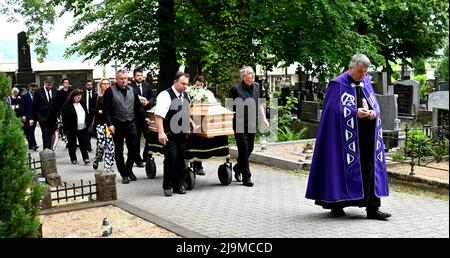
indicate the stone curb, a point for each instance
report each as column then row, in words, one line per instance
column 261, row 158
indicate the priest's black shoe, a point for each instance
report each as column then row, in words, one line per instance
column 180, row 190
column 125, row 180
column 336, row 213
column 378, row 215
column 248, row 183
column 140, row 164
column 132, row 177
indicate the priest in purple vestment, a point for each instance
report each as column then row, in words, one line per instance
column 348, row 167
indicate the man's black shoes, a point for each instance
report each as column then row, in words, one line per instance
column 140, row 164
column 378, row 215
column 168, row 192
column 336, row 213
column 132, row 177
column 237, row 173
column 180, row 190
column 125, row 180
column 248, row 183
column 200, row 171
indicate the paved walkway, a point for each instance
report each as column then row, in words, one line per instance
column 275, row 207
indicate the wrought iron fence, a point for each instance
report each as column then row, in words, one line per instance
column 422, row 143
column 73, row 192
column 34, row 164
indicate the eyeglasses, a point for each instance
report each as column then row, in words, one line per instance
column 105, row 82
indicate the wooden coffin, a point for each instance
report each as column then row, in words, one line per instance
column 212, row 119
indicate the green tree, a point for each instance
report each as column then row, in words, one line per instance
column 413, row 29
column 19, row 207
column 442, row 69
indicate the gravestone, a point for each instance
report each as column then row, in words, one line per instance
column 285, row 92
column 414, row 92
column 440, row 118
column 379, row 82
column 309, row 87
column 438, row 99
column 24, row 74
column 425, row 117
column 388, row 110
column 443, row 86
column 309, row 111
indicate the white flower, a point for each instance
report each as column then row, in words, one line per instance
column 196, row 94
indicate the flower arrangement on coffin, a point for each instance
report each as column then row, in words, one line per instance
column 196, row 94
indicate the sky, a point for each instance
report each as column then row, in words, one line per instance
column 9, row 31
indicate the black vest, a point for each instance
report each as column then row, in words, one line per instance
column 174, row 108
column 246, row 120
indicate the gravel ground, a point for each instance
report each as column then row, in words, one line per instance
column 87, row 223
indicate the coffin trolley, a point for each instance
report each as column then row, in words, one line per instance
column 210, row 140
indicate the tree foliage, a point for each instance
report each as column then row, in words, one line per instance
column 19, row 207
column 216, row 37
column 442, row 69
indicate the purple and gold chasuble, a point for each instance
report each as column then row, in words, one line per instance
column 335, row 173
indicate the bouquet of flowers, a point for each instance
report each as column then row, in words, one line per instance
column 197, row 94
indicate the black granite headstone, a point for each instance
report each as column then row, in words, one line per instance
column 24, row 74
column 309, row 111
column 440, row 118
column 405, row 99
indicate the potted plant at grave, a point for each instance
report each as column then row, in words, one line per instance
column 396, row 153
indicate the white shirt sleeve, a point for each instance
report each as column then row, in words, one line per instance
column 162, row 104
column 211, row 98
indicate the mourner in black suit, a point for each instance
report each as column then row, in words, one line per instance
column 74, row 117
column 245, row 123
column 142, row 89
column 64, row 91
column 27, row 110
column 45, row 111
column 89, row 101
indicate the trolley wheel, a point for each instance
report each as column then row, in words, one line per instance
column 189, row 182
column 150, row 168
column 225, row 173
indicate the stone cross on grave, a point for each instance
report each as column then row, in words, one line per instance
column 24, row 49
column 115, row 66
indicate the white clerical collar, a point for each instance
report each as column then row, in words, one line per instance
column 361, row 84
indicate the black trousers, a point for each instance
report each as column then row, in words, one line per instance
column 82, row 137
column 140, row 127
column 125, row 131
column 29, row 134
column 48, row 130
column 174, row 166
column 245, row 143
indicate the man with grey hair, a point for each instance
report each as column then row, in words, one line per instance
column 248, row 108
column 348, row 167
column 121, row 106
